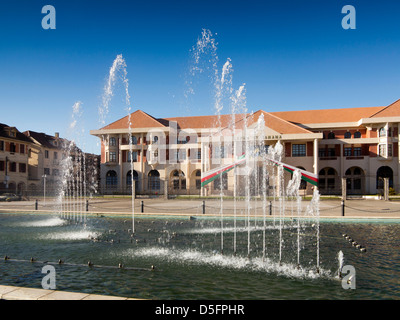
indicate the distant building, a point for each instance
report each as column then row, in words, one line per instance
column 47, row 160
column 360, row 145
column 14, row 149
column 30, row 159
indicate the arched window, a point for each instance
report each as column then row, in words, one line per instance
column 135, row 178
column 381, row 173
column 354, row 180
column 111, row 178
column 327, row 180
column 331, row 135
column 178, row 180
column 331, row 172
column 154, row 180
column 357, row 134
column 347, row 135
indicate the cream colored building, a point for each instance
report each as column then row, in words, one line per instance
column 14, row 148
column 360, row 145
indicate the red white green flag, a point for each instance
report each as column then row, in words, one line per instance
column 213, row 174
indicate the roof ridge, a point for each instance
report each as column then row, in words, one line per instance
column 288, row 122
column 373, row 115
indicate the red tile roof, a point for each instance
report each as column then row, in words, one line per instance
column 392, row 110
column 284, row 122
column 139, row 119
column 328, row 115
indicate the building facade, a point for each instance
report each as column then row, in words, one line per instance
column 14, row 150
column 32, row 162
column 168, row 155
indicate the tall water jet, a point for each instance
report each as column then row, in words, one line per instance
column 262, row 156
column 224, row 83
column 119, row 67
column 238, row 102
column 313, row 210
column 72, row 193
column 293, row 191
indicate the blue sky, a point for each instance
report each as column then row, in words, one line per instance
column 292, row 55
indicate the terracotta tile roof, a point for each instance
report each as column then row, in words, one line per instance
column 278, row 124
column 327, row 115
column 139, row 119
column 392, row 110
column 200, row 122
column 284, row 122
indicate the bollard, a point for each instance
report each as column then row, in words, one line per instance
column 142, row 206
column 36, row 204
column 204, row 207
column 270, row 208
column 87, row 205
column 342, row 208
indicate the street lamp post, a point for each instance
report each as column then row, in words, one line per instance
column 44, row 189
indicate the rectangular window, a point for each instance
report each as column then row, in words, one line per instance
column 113, row 157
column 390, row 152
column 22, row 148
column 1, row 145
column 46, row 154
column 1, row 165
column 347, row 152
column 12, row 147
column 46, row 171
column 134, row 156
column 382, row 150
column 298, row 150
column 22, row 167
column 55, row 155
column 321, row 152
column 13, row 167
column 331, row 152
column 357, row 151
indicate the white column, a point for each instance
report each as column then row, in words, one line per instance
column 315, row 156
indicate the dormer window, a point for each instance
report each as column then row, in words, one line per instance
column 12, row 133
